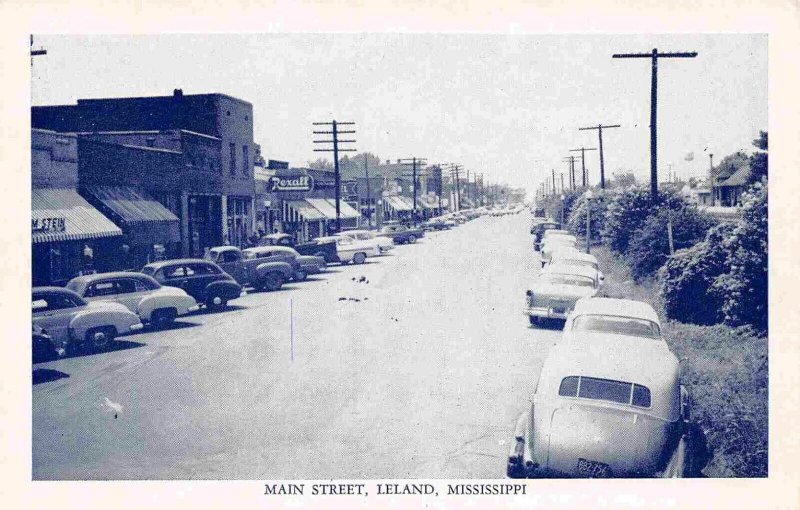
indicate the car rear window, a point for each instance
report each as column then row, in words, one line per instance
column 628, row 326
column 605, row 389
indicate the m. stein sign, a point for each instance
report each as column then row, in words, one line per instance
column 298, row 183
column 48, row 225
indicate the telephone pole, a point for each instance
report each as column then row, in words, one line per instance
column 599, row 129
column 583, row 150
column 413, row 162
column 654, row 55
column 571, row 161
column 369, row 197
column 335, row 132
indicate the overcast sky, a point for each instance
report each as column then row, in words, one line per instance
column 506, row 105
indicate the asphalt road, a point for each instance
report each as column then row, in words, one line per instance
column 419, row 372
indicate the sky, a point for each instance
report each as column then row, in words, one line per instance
column 505, row 105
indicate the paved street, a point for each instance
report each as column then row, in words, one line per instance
column 420, row 375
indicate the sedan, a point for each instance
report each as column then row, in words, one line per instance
column 554, row 293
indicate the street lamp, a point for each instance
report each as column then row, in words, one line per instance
column 562, row 210
column 589, row 196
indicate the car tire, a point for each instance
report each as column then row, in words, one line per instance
column 163, row 318
column 272, row 282
column 515, row 470
column 99, row 338
column 216, row 302
column 359, row 258
column 534, row 321
column 300, row 276
column 412, row 239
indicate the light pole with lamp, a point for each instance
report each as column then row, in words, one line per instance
column 562, row 210
column 589, row 197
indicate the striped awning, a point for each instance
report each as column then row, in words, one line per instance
column 399, row 203
column 327, row 206
column 132, row 206
column 305, row 210
column 59, row 215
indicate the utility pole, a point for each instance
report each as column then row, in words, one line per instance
column 334, row 132
column 413, row 162
column 599, row 129
column 562, row 182
column 36, row 53
column 583, row 150
column 369, row 197
column 654, row 55
column 554, row 180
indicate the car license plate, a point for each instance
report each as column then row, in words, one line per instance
column 593, row 469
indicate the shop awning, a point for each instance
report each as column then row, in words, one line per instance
column 307, row 211
column 399, row 204
column 143, row 219
column 62, row 215
column 327, row 206
column 426, row 202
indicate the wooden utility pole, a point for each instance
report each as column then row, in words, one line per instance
column 654, row 55
column 335, row 132
column 369, row 197
column 599, row 129
column 583, row 150
column 413, row 162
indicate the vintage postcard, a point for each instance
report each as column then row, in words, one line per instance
column 382, row 267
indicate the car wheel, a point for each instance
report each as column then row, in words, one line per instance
column 412, row 239
column 300, row 275
column 216, row 302
column 272, row 282
column 359, row 258
column 533, row 320
column 99, row 338
column 515, row 470
column 163, row 317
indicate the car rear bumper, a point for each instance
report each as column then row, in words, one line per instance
column 136, row 327
column 544, row 312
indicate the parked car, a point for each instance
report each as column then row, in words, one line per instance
column 140, row 293
column 350, row 250
column 401, row 234
column 303, row 265
column 555, row 291
column 383, row 244
column 610, row 317
column 555, row 243
column 315, row 247
column 43, row 347
column 202, row 279
column 269, row 272
column 607, row 408
column 74, row 324
column 540, row 229
column 574, row 257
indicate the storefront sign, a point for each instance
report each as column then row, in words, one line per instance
column 299, row 183
column 48, row 225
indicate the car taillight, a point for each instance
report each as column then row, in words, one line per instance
column 529, row 295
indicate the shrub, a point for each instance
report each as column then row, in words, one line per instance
column 649, row 246
column 743, row 289
column 627, row 212
column 687, row 278
column 577, row 216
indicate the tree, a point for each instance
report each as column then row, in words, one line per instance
column 321, row 164
column 623, row 179
column 628, row 210
column 577, row 216
column 759, row 162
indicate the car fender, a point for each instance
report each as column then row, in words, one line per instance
column 229, row 288
column 120, row 318
column 182, row 304
column 269, row 267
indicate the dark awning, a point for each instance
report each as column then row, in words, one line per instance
column 62, row 215
column 143, row 218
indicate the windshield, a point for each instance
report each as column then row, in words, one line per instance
column 568, row 279
column 629, row 326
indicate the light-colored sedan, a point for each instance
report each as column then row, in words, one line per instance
column 601, row 317
column 74, row 323
column 574, row 257
column 556, row 290
column 612, row 407
column 555, row 243
column 383, row 244
column 141, row 294
column 349, row 250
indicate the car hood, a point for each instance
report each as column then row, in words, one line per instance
column 309, row 260
column 629, row 442
column 561, row 290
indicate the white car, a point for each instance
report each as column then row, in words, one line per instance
column 383, row 244
column 574, row 257
column 555, row 243
column 141, row 294
column 350, row 250
column 554, row 293
column 623, row 319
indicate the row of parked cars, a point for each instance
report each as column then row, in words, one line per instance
column 609, row 401
column 94, row 309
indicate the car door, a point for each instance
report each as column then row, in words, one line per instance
column 101, row 290
column 232, row 263
column 130, row 293
column 54, row 312
column 174, row 276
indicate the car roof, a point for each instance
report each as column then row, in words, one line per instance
column 570, row 253
column 277, row 235
column 269, row 248
column 558, row 268
column 327, row 238
column 626, row 359
column 616, row 307
column 89, row 278
column 224, row 248
column 53, row 290
column 176, row 262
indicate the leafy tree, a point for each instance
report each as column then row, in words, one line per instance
column 649, row 246
column 687, row 279
column 321, row 164
column 759, row 162
column 627, row 211
column 623, row 179
column 577, row 217
column 743, row 290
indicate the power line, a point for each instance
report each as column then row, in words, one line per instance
column 335, row 132
column 599, row 129
column 654, row 56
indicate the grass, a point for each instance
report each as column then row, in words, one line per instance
column 726, row 371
